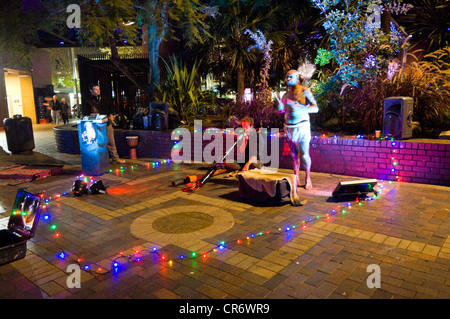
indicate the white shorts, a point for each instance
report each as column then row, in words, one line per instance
column 298, row 134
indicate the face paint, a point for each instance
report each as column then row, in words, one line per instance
column 291, row 78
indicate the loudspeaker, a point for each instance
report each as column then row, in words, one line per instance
column 397, row 117
column 352, row 190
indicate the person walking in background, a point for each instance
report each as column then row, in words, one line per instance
column 296, row 104
column 101, row 105
column 65, row 109
column 55, row 105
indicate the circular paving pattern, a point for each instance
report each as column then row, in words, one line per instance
column 180, row 224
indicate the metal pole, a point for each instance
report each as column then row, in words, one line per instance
column 75, row 79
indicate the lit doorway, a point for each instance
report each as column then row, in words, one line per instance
column 19, row 94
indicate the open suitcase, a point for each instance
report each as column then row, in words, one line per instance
column 22, row 226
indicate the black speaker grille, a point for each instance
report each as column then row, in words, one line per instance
column 392, row 125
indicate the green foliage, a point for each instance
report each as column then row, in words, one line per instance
column 323, row 57
column 264, row 114
column 430, row 82
column 227, row 48
column 18, row 33
column 427, row 81
column 361, row 51
column 105, row 19
column 427, row 21
column 182, row 90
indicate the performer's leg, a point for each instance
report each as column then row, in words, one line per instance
column 295, row 160
column 231, row 166
column 292, row 135
column 306, row 158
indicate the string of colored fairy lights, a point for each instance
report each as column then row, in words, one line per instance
column 394, row 161
column 117, row 263
column 53, row 227
column 137, row 255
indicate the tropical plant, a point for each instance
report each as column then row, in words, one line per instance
column 182, row 90
column 265, row 94
column 430, row 78
column 427, row 22
column 228, row 44
column 264, row 114
column 427, row 81
column 361, row 49
column 19, row 25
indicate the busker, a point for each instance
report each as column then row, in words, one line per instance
column 296, row 104
column 245, row 158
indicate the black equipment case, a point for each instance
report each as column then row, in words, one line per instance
column 21, row 227
column 247, row 192
column 19, row 134
column 353, row 190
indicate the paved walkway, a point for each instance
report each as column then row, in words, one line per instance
column 147, row 239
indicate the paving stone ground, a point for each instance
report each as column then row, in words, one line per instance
column 404, row 231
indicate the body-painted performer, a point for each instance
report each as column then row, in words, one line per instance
column 296, row 104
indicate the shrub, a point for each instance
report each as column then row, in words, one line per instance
column 427, row 81
column 182, row 90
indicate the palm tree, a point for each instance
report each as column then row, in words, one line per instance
column 296, row 37
column 230, row 44
column 162, row 19
column 428, row 22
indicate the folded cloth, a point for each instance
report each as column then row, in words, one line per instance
column 263, row 180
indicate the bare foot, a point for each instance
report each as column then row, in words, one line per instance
column 298, row 180
column 308, row 184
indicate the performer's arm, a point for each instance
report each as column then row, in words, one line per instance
column 250, row 161
column 312, row 106
column 280, row 105
column 252, row 157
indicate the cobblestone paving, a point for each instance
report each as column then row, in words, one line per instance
column 245, row 252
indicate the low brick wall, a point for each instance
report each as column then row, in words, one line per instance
column 408, row 161
column 417, row 161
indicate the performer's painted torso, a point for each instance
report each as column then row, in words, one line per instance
column 295, row 113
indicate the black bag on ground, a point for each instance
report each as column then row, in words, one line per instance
column 19, row 134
